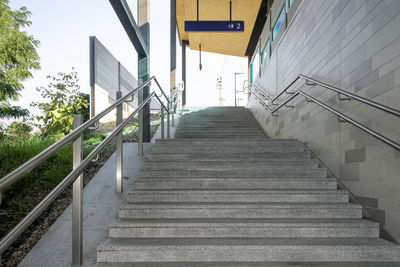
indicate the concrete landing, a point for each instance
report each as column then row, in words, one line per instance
column 100, row 200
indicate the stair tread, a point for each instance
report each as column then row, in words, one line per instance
column 212, row 222
column 238, row 191
column 361, row 242
column 239, row 205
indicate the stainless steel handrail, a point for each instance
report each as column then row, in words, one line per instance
column 30, row 218
column 356, row 97
column 340, row 91
column 259, row 100
column 339, row 114
column 258, row 89
column 13, row 176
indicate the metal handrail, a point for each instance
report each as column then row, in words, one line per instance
column 259, row 100
column 334, row 111
column 15, row 175
column 356, row 97
column 29, row 219
column 340, row 91
column 258, row 89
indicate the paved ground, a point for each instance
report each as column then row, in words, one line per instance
column 100, row 208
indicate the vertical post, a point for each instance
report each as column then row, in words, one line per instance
column 172, row 47
column 184, row 43
column 144, row 64
column 162, row 123
column 77, row 233
column 168, row 126
column 172, row 112
column 140, row 122
column 119, row 151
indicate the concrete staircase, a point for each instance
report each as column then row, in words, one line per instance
column 222, row 194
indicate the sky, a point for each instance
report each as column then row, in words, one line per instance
column 63, row 29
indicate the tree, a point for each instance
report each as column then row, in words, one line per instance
column 19, row 130
column 64, row 100
column 18, row 56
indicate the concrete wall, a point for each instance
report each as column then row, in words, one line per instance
column 354, row 45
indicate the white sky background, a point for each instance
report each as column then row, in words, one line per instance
column 64, row 26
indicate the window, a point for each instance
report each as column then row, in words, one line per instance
column 290, row 3
column 255, row 65
column 251, row 73
column 265, row 53
column 278, row 23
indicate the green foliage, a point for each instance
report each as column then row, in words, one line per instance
column 19, row 131
column 95, row 139
column 17, row 200
column 64, row 100
column 18, row 57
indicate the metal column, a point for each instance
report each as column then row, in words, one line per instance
column 140, row 122
column 172, row 47
column 144, row 63
column 184, row 43
column 119, row 150
column 77, row 231
column 162, row 123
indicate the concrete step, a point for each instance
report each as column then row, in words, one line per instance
column 218, row 131
column 220, row 136
column 241, row 195
column 227, row 156
column 247, row 249
column 187, row 174
column 244, row 228
column 181, row 148
column 229, row 143
column 255, row 264
column 239, row 210
column 237, row 183
column 211, row 127
column 305, row 164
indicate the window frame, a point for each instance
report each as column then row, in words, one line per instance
column 283, row 14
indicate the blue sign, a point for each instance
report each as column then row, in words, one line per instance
column 214, row 26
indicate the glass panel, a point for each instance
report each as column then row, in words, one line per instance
column 290, row 2
column 256, row 64
column 278, row 23
column 265, row 53
column 251, row 73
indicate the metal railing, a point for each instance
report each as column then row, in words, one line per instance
column 79, row 165
column 310, row 81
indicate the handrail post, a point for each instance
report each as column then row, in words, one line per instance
column 172, row 114
column 119, row 150
column 168, row 126
column 162, row 122
column 77, row 231
column 140, row 122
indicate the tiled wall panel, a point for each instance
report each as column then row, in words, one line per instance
column 354, row 45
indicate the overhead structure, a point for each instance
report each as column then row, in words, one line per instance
column 228, row 43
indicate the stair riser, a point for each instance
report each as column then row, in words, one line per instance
column 340, row 198
column 226, row 165
column 232, row 150
column 227, row 157
column 242, row 232
column 220, row 130
column 248, row 212
column 221, row 136
column 234, row 184
column 231, row 174
column 250, row 253
column 227, row 143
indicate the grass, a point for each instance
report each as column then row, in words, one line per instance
column 23, row 195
